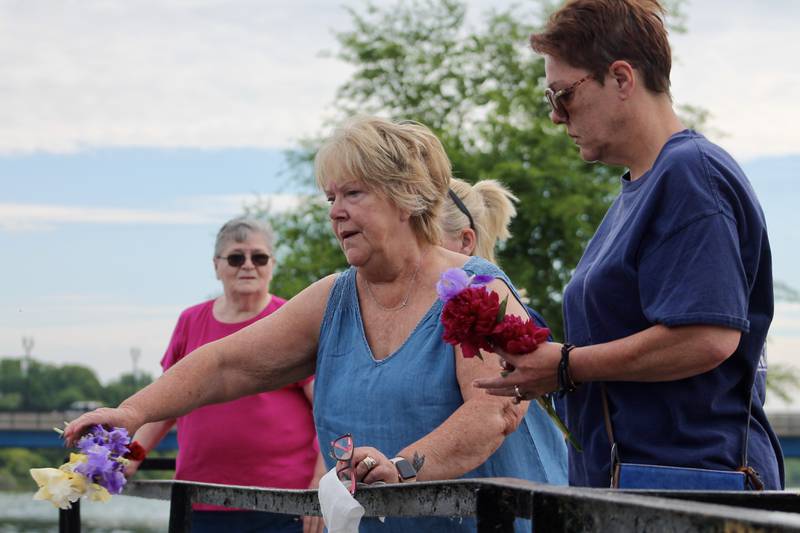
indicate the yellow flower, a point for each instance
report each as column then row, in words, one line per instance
column 96, row 493
column 57, row 486
column 74, row 459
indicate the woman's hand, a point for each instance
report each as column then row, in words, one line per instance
column 124, row 417
column 313, row 524
column 532, row 374
column 382, row 470
column 131, row 468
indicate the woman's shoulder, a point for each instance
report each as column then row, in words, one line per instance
column 480, row 266
column 198, row 311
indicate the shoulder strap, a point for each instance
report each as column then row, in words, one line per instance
column 610, row 432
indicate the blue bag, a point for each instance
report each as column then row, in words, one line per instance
column 639, row 476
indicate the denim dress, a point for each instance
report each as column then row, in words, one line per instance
column 392, row 402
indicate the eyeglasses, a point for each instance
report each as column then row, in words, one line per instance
column 554, row 98
column 238, row 259
column 342, row 450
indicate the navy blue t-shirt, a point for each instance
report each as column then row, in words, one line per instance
column 684, row 244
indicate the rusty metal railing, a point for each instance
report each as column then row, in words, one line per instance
column 496, row 502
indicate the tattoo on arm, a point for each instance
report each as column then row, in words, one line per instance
column 418, row 461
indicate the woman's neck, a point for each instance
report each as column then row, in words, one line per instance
column 658, row 123
column 392, row 268
column 234, row 307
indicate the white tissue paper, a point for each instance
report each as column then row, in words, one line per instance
column 342, row 512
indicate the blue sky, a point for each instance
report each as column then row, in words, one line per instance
column 127, row 139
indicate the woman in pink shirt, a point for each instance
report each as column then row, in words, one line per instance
column 265, row 440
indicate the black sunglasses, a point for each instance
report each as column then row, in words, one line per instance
column 238, row 259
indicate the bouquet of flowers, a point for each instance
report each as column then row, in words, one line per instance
column 476, row 319
column 96, row 472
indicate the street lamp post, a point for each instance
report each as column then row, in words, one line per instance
column 136, row 353
column 24, row 366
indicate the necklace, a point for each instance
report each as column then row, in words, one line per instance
column 402, row 304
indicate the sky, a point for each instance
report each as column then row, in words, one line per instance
column 130, row 131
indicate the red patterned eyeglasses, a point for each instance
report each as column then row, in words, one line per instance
column 342, row 450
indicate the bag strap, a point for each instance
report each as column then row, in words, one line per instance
column 610, row 432
column 752, row 476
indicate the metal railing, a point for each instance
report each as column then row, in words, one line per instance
column 496, row 502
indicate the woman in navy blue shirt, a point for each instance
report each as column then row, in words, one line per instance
column 669, row 307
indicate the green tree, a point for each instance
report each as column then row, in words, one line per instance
column 123, row 387
column 306, row 250
column 45, row 387
column 482, row 92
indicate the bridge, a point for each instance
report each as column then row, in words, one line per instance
column 35, row 430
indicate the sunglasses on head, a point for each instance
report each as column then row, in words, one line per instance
column 238, row 259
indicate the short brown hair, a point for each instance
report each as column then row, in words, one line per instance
column 592, row 34
column 402, row 160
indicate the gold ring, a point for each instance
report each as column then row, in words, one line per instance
column 518, row 394
column 369, row 462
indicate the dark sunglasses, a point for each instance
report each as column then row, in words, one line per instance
column 556, row 99
column 342, row 450
column 238, row 259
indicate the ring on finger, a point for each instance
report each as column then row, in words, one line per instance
column 518, row 394
column 369, row 462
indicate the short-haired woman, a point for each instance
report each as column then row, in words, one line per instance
column 667, row 312
column 372, row 333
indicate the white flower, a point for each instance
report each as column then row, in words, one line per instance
column 57, row 486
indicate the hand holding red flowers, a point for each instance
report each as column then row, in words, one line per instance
column 517, row 336
column 476, row 319
column 469, row 319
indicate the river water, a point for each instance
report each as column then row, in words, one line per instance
column 20, row 513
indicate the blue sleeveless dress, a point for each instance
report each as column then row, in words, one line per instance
column 392, row 402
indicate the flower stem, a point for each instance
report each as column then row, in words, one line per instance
column 547, row 405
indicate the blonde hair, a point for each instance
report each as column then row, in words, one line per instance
column 403, row 161
column 491, row 205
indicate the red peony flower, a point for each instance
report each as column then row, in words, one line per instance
column 516, row 335
column 136, row 452
column 469, row 318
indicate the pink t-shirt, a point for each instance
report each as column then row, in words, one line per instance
column 264, row 440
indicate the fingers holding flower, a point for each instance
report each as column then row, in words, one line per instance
column 533, row 375
column 122, row 417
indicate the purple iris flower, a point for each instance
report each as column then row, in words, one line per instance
column 118, row 440
column 112, row 481
column 98, row 462
column 455, row 280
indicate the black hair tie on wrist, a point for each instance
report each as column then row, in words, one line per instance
column 565, row 383
column 461, row 207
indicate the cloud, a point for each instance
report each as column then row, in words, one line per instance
column 248, row 73
column 89, row 329
column 164, row 73
column 749, row 91
column 191, row 210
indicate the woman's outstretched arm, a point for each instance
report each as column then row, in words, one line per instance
column 277, row 350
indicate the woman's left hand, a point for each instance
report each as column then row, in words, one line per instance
column 313, row 524
column 367, row 472
column 527, row 376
